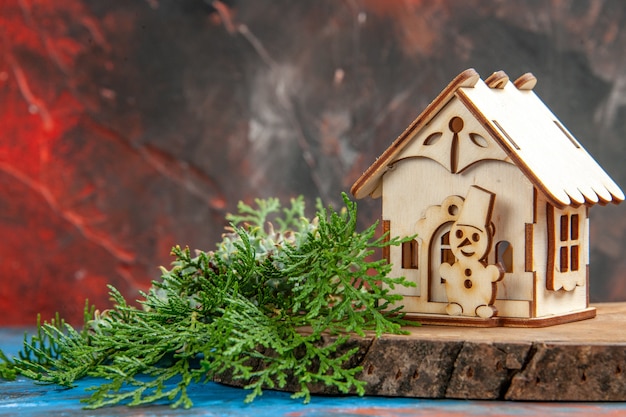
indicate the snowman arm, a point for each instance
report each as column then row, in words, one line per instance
column 444, row 270
column 496, row 272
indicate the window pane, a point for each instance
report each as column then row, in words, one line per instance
column 445, row 239
column 447, row 256
column 406, row 255
column 504, row 255
column 414, row 254
column 409, row 254
column 574, row 259
column 574, row 233
column 564, row 228
column 564, row 262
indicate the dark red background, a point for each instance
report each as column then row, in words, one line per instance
column 127, row 127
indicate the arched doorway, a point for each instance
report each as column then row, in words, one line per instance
column 439, row 253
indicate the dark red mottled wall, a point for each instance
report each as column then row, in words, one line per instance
column 127, row 127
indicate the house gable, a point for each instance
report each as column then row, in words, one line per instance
column 455, row 139
column 369, row 182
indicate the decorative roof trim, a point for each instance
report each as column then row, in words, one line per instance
column 526, row 82
column 497, row 80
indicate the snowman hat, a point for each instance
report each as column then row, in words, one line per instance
column 477, row 208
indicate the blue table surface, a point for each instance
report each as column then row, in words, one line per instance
column 24, row 398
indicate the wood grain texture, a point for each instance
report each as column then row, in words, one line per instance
column 581, row 361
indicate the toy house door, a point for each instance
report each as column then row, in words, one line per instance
column 439, row 253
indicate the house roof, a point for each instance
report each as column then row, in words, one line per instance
column 530, row 134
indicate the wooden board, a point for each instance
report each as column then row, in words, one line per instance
column 580, row 361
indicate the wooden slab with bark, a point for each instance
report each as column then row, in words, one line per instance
column 579, row 361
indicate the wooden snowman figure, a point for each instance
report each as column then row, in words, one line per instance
column 469, row 282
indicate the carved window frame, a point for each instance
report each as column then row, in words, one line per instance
column 504, row 255
column 566, row 229
column 410, row 254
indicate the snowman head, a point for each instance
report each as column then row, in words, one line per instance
column 470, row 235
column 469, row 242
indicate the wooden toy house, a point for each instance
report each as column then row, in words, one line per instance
column 498, row 192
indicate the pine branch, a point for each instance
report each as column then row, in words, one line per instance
column 236, row 310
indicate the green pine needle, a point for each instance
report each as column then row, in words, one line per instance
column 238, row 310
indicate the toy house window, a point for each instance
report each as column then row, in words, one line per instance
column 565, row 251
column 410, row 254
column 446, row 252
column 504, row 255
column 568, row 244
